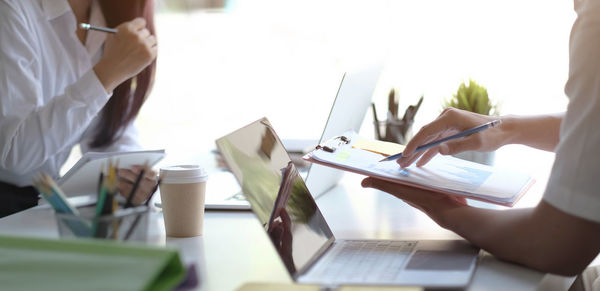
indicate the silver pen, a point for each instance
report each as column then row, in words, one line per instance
column 439, row 141
column 88, row 26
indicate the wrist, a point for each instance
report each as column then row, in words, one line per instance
column 508, row 128
column 106, row 77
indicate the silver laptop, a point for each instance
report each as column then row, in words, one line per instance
column 347, row 113
column 349, row 108
column 310, row 252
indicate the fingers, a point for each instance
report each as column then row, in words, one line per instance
column 142, row 193
column 151, row 41
column 148, row 172
column 409, row 160
column 144, row 33
column 428, row 133
column 137, row 24
column 472, row 142
column 391, row 188
column 428, row 156
column 127, row 179
column 430, row 202
column 126, row 175
column 125, row 188
column 450, row 121
column 126, row 54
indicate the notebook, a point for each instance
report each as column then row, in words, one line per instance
column 50, row 264
column 443, row 174
column 303, row 240
column 82, row 178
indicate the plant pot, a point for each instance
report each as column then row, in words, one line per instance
column 486, row 158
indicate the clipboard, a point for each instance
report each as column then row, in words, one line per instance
column 443, row 174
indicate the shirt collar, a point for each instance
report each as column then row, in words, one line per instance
column 55, row 8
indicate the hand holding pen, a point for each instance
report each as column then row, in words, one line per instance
column 129, row 48
column 452, row 122
column 136, row 184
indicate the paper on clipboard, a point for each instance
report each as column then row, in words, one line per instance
column 443, row 174
column 82, row 178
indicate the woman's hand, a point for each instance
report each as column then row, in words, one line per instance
column 453, row 121
column 127, row 178
column 126, row 53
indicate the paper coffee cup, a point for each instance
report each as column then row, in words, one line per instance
column 182, row 192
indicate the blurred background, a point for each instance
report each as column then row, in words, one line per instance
column 223, row 64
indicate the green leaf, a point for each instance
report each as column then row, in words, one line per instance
column 473, row 97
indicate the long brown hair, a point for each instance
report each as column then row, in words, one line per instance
column 128, row 97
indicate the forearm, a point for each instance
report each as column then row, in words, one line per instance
column 498, row 232
column 543, row 239
column 540, row 131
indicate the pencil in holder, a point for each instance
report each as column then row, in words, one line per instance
column 394, row 130
column 126, row 224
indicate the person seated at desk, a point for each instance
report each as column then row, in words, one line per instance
column 61, row 86
column 562, row 233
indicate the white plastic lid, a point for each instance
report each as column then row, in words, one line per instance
column 183, row 174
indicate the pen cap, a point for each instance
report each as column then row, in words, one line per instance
column 183, row 174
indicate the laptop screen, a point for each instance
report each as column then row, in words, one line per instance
column 277, row 194
column 347, row 113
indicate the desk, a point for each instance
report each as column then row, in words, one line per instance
column 234, row 248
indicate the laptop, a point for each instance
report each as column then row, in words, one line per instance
column 306, row 245
column 347, row 113
column 349, row 108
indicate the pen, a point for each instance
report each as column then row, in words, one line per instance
column 137, row 218
column 135, row 187
column 467, row 132
column 377, row 130
column 88, row 26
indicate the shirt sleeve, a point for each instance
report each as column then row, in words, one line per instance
column 31, row 130
column 575, row 178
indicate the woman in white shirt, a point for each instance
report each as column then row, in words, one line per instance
column 562, row 234
column 60, row 86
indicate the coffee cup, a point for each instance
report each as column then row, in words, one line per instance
column 182, row 192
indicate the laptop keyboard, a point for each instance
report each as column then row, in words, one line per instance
column 365, row 261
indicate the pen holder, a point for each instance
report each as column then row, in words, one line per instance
column 393, row 130
column 128, row 224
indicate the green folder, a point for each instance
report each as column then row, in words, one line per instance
column 45, row 264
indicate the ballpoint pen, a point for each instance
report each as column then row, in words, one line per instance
column 467, row 132
column 88, row 26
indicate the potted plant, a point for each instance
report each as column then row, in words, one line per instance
column 473, row 97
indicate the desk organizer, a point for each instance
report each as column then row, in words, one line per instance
column 128, row 224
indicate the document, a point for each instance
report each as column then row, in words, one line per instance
column 443, row 174
column 82, row 178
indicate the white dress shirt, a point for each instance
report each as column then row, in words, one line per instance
column 50, row 97
column 574, row 185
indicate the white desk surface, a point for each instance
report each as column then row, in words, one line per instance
column 235, row 249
